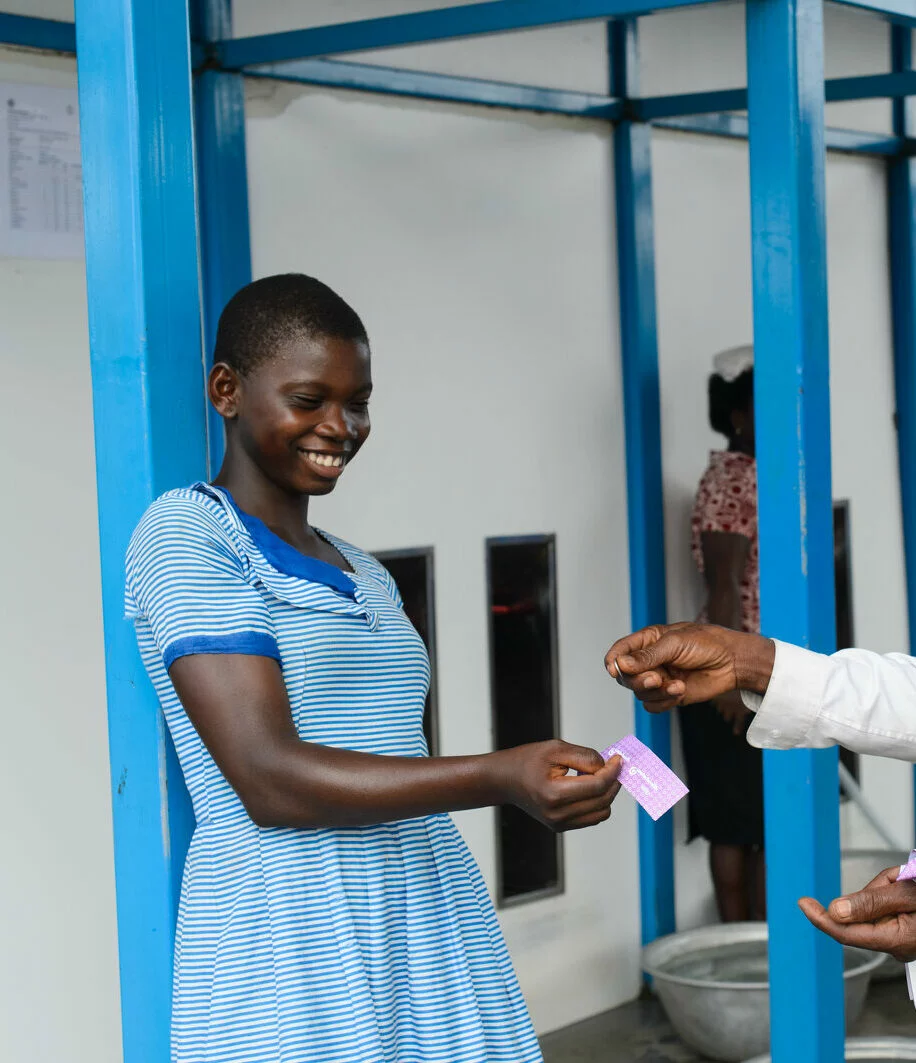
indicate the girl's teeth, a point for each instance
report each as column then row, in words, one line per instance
column 328, row 460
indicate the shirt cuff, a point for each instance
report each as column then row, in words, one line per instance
column 788, row 711
column 251, row 643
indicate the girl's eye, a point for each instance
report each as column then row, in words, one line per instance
column 362, row 404
column 307, row 402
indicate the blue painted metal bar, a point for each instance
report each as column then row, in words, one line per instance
column 735, row 126
column 388, row 81
column 869, row 87
column 900, row 12
column 901, row 201
column 222, row 183
column 787, row 157
column 421, row 27
column 46, row 34
column 642, row 421
column 144, row 333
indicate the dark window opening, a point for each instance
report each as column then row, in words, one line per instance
column 842, row 564
column 412, row 571
column 521, row 581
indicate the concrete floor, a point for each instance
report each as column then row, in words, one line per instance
column 640, row 1033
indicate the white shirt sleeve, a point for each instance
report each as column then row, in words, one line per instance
column 861, row 700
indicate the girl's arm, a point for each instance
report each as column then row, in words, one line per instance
column 239, row 705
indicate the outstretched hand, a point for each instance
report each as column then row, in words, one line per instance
column 563, row 786
column 680, row 664
column 880, row 917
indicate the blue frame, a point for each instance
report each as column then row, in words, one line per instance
column 144, row 333
column 45, row 34
column 440, row 24
column 222, row 181
column 419, row 85
column 642, row 427
column 735, row 127
column 792, row 403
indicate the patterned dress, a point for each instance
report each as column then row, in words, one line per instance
column 724, row 772
column 727, row 502
column 362, row 945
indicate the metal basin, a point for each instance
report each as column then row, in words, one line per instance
column 713, row 985
column 857, row 868
column 877, row 1049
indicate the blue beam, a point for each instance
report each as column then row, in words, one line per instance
column 425, row 27
column 642, row 440
column 222, row 187
column 46, row 34
column 901, row 201
column 144, row 335
column 837, row 90
column 735, row 126
column 900, row 12
column 388, row 81
column 785, row 78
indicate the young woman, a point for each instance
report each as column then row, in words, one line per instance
column 330, row 912
column 725, row 774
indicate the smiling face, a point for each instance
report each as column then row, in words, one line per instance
column 301, row 416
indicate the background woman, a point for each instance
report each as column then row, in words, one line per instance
column 330, row 910
column 724, row 773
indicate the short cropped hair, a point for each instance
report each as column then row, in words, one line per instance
column 263, row 315
column 726, row 397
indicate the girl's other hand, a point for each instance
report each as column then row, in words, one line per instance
column 563, row 786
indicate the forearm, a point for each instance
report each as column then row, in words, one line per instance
column 300, row 784
column 861, row 700
column 723, row 605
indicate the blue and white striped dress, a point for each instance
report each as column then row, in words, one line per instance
column 361, row 945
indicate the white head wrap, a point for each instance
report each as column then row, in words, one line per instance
column 732, row 363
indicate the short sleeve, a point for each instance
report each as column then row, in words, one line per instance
column 727, row 501
column 186, row 580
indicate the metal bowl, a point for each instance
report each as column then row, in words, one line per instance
column 857, row 868
column 713, row 985
column 876, row 1049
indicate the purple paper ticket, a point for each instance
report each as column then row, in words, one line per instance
column 908, row 870
column 646, row 777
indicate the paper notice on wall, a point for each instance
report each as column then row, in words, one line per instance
column 41, row 188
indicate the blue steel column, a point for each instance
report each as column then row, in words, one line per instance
column 222, row 180
column 787, row 159
column 144, row 334
column 901, row 200
column 639, row 348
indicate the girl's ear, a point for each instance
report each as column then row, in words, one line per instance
column 224, row 388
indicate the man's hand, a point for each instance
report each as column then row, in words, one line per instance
column 680, row 664
column 880, row 917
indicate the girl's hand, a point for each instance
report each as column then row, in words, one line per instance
column 563, row 786
column 733, row 711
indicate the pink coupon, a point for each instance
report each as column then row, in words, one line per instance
column 908, row 870
column 646, row 777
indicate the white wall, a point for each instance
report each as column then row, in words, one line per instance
column 479, row 249
column 58, row 947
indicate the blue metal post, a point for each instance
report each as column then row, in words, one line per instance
column 222, row 180
column 639, row 348
column 901, row 199
column 786, row 97
column 144, row 333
